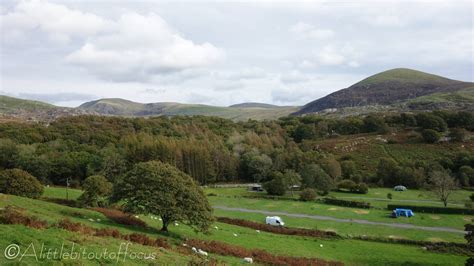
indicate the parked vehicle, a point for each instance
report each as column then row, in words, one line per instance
column 274, row 220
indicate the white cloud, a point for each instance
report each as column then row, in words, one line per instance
column 58, row 22
column 308, row 31
column 140, row 47
column 330, row 56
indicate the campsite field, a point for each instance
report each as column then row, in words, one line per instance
column 347, row 250
column 351, row 252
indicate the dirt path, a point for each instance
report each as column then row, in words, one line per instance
column 344, row 220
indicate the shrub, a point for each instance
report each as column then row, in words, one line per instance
column 308, row 194
column 20, row 183
column 347, row 203
column 96, row 190
column 346, row 185
column 432, row 209
column 362, row 188
column 430, row 135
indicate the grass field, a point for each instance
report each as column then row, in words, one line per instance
column 351, row 252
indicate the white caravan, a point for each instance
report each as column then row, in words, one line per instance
column 274, row 220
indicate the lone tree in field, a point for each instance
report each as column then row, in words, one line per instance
column 442, row 184
column 161, row 189
column 96, row 191
column 20, row 183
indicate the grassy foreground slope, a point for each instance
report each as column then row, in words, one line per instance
column 351, row 252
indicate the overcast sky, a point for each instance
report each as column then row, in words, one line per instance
column 222, row 53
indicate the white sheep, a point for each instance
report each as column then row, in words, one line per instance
column 247, row 260
column 202, row 252
column 235, row 234
column 258, row 231
column 194, row 249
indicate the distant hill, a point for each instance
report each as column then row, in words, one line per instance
column 397, row 86
column 254, row 105
column 121, row 107
column 11, row 107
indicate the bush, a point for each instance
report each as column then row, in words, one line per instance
column 308, row 194
column 430, row 135
column 20, row 183
column 349, row 185
column 346, row 185
column 362, row 188
column 432, row 209
column 96, row 190
column 277, row 186
column 347, row 203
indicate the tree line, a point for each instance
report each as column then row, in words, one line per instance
column 213, row 150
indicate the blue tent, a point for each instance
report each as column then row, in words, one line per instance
column 402, row 212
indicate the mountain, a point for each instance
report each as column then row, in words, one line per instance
column 253, row 105
column 11, row 107
column 121, row 107
column 401, row 86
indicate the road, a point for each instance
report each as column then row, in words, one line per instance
column 344, row 220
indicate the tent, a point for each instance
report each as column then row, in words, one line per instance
column 402, row 212
column 399, row 188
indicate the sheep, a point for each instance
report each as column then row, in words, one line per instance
column 235, row 234
column 247, row 260
column 258, row 231
column 217, row 228
column 202, row 252
column 194, row 249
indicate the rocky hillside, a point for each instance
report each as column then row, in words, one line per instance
column 396, row 86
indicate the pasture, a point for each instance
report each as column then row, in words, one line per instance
column 348, row 250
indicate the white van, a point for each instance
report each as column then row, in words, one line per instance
column 274, row 220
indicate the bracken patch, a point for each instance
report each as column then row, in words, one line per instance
column 258, row 255
column 120, row 217
column 12, row 215
column 277, row 229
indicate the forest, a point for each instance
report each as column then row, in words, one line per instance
column 215, row 150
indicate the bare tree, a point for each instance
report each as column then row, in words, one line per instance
column 442, row 184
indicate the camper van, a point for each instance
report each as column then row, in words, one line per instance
column 274, row 220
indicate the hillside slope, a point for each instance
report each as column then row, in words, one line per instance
column 387, row 88
column 122, row 107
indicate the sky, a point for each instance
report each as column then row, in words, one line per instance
column 222, row 52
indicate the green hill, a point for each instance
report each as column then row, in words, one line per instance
column 396, row 86
column 123, row 107
column 10, row 105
